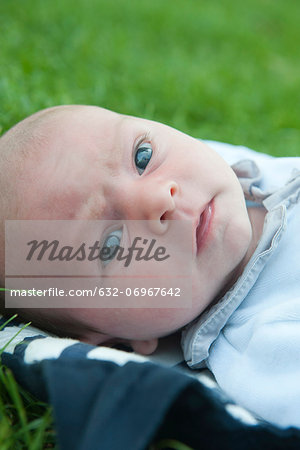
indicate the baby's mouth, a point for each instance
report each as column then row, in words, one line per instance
column 203, row 227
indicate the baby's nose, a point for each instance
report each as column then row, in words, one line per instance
column 155, row 202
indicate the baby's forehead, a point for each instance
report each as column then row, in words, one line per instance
column 76, row 147
column 58, row 176
column 61, row 128
column 90, row 125
column 80, row 127
column 59, row 122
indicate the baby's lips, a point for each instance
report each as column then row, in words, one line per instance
column 203, row 227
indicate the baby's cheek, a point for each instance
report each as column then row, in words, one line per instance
column 158, row 322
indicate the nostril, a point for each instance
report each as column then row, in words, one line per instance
column 163, row 217
column 172, row 191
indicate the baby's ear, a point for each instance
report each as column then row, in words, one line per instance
column 144, row 347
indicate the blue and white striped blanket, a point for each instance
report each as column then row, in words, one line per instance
column 105, row 398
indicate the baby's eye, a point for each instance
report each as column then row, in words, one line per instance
column 142, row 156
column 111, row 246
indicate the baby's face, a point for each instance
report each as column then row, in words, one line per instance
column 102, row 165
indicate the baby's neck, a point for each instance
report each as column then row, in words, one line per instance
column 257, row 218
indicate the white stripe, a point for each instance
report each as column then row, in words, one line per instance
column 241, row 414
column 206, row 380
column 9, row 332
column 47, row 348
column 117, row 356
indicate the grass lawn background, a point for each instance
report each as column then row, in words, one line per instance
column 228, row 71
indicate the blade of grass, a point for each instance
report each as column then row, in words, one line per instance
column 170, row 444
column 14, row 336
column 39, row 438
column 9, row 320
column 16, row 398
column 5, row 429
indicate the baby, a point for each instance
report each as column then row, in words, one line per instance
column 88, row 163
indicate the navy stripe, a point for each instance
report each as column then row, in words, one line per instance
column 21, row 347
column 77, row 351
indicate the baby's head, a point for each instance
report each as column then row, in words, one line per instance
column 88, row 163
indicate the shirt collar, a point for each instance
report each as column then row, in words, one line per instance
column 198, row 336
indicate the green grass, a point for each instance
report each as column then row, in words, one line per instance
column 226, row 70
column 25, row 422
